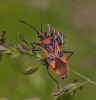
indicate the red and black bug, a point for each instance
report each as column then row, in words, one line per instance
column 52, row 46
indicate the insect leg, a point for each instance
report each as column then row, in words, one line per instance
column 67, row 51
column 34, row 49
column 35, row 43
column 51, row 75
column 37, row 49
column 32, row 43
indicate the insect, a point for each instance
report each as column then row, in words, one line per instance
column 52, row 46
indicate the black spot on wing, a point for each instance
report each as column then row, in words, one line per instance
column 52, row 43
column 60, row 54
column 50, row 59
column 46, row 47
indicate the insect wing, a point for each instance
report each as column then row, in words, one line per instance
column 61, row 68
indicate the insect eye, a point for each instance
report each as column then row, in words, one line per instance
column 40, row 36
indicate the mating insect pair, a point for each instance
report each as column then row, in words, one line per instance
column 52, row 47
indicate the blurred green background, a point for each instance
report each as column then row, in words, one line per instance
column 76, row 19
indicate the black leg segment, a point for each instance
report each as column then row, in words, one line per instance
column 34, row 49
column 34, row 43
column 38, row 49
column 51, row 75
column 67, row 51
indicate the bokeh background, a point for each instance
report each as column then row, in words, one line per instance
column 76, row 19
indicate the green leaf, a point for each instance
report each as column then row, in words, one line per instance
column 30, row 70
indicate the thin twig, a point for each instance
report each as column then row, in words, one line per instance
column 88, row 80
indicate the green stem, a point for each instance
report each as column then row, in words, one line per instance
column 85, row 82
column 88, row 80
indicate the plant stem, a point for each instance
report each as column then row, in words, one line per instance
column 88, row 80
column 85, row 82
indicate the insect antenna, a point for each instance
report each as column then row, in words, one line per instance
column 42, row 18
column 29, row 25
